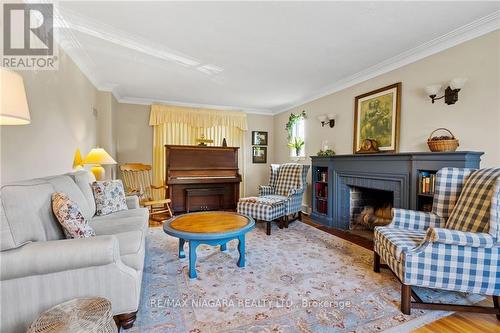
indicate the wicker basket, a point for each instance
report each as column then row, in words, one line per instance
column 442, row 145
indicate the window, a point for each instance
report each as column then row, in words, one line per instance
column 297, row 142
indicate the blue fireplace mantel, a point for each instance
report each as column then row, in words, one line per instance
column 397, row 173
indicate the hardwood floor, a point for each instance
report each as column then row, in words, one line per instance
column 456, row 323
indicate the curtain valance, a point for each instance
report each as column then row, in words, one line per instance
column 194, row 117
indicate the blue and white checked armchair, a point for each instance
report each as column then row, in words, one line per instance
column 454, row 247
column 281, row 198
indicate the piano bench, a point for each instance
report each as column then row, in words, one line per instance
column 259, row 208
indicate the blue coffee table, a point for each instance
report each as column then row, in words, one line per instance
column 211, row 228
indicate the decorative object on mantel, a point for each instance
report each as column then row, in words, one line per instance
column 442, row 143
column 326, row 153
column 368, row 146
column 292, row 120
column 202, row 141
column 224, row 142
column 450, row 93
column 259, row 154
column 327, row 119
column 297, row 144
column 376, row 117
column 259, row 138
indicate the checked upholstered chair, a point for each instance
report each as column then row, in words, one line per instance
column 281, row 198
column 454, row 247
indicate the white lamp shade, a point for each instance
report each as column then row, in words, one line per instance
column 322, row 118
column 457, row 83
column 332, row 116
column 14, row 106
column 98, row 156
column 432, row 89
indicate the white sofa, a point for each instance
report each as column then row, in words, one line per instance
column 39, row 268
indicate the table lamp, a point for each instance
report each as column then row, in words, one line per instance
column 13, row 104
column 98, row 156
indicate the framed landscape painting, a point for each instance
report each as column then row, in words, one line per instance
column 376, row 117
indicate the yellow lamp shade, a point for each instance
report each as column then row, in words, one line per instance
column 99, row 156
column 13, row 104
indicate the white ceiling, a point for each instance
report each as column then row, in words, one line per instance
column 256, row 56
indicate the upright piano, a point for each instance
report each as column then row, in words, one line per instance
column 202, row 177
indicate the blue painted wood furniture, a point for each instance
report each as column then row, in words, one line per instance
column 211, row 228
column 333, row 176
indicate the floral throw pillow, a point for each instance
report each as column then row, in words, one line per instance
column 70, row 217
column 109, row 196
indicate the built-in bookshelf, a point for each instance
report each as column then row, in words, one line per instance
column 321, row 190
column 426, row 184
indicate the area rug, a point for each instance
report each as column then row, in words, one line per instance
column 298, row 279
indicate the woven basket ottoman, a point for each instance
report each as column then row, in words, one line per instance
column 78, row 315
column 264, row 208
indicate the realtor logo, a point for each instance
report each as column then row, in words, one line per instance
column 28, row 40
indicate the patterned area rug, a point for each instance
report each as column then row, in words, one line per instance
column 298, row 279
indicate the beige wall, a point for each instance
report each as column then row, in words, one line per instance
column 474, row 119
column 62, row 120
column 134, row 136
column 257, row 174
column 106, row 127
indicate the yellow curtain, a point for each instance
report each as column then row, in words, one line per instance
column 182, row 126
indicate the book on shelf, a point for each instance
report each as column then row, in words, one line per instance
column 321, row 190
column 427, row 182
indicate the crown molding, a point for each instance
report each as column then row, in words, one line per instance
column 455, row 37
column 148, row 101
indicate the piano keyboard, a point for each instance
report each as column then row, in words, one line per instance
column 205, row 177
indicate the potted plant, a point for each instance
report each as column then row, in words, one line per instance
column 296, row 144
column 292, row 120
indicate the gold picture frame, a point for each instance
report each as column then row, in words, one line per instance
column 376, row 117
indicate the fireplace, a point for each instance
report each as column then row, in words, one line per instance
column 358, row 191
column 369, row 208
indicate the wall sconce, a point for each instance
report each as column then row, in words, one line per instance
column 327, row 119
column 450, row 93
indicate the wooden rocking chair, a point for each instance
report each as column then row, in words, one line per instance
column 137, row 180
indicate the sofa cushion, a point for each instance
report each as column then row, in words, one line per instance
column 122, row 221
column 65, row 184
column 27, row 207
column 131, row 248
column 70, row 216
column 396, row 240
column 84, row 180
column 109, row 197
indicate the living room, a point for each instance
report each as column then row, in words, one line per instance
column 250, row 166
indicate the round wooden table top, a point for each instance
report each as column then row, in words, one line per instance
column 208, row 225
column 209, row 222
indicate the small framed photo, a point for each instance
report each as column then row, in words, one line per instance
column 259, row 155
column 259, row 138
